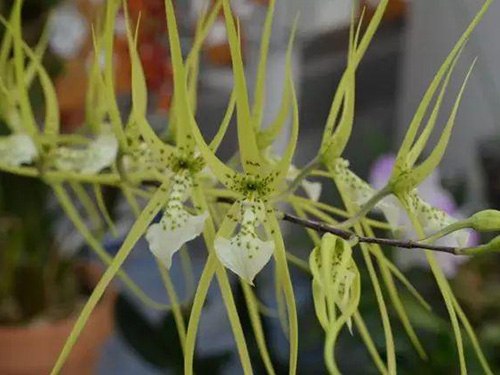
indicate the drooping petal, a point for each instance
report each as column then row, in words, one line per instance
column 333, row 269
column 245, row 255
column 432, row 220
column 17, row 149
column 174, row 230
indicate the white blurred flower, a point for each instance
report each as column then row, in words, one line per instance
column 17, row 149
column 100, row 154
column 68, row 30
column 217, row 34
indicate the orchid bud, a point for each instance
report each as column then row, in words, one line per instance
column 490, row 247
column 485, row 221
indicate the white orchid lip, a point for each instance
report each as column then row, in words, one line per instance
column 168, row 236
column 177, row 226
column 246, row 254
column 99, row 155
column 17, row 149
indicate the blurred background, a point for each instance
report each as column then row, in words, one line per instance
column 414, row 39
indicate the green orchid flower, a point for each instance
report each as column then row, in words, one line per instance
column 336, row 288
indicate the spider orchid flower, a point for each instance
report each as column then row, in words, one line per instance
column 431, row 198
column 245, row 253
column 177, row 225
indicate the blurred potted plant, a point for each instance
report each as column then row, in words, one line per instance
column 41, row 289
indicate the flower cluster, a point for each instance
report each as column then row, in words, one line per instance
column 190, row 186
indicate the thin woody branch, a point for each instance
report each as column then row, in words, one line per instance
column 347, row 235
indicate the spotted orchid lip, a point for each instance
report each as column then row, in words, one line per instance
column 177, row 226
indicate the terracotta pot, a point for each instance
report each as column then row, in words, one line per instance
column 33, row 350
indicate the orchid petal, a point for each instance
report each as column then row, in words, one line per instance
column 245, row 253
column 17, row 149
column 174, row 230
column 101, row 154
